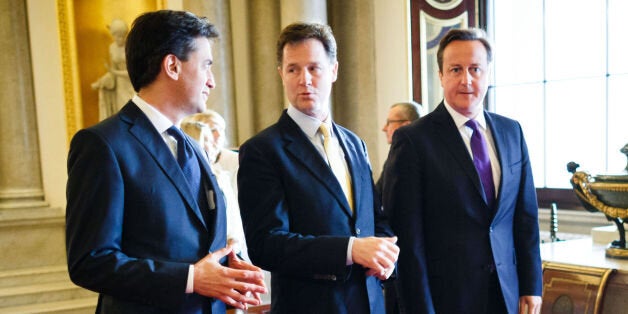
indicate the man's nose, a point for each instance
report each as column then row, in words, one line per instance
column 211, row 83
column 306, row 77
column 467, row 78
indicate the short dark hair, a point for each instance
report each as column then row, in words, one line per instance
column 410, row 109
column 463, row 34
column 298, row 32
column 155, row 35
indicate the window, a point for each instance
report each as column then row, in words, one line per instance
column 560, row 69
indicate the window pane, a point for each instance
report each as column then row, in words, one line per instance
column 617, row 122
column 575, row 38
column 524, row 103
column 617, row 43
column 576, row 128
column 516, row 62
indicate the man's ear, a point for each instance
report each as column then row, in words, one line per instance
column 280, row 72
column 334, row 71
column 171, row 65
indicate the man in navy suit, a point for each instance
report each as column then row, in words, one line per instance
column 141, row 232
column 466, row 246
column 311, row 216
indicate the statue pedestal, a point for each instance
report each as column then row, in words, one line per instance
column 33, row 268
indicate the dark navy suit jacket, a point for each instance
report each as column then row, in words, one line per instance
column 449, row 238
column 133, row 226
column 298, row 222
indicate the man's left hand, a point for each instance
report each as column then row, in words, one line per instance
column 530, row 304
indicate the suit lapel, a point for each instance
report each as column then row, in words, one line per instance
column 218, row 218
column 145, row 133
column 500, row 139
column 450, row 136
column 298, row 145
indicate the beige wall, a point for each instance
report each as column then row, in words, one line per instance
column 392, row 71
column 393, row 64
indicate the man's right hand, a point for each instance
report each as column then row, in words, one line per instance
column 379, row 255
column 235, row 287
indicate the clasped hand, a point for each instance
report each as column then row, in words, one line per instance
column 378, row 255
column 238, row 285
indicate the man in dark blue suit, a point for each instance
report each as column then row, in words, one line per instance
column 310, row 212
column 469, row 237
column 142, row 230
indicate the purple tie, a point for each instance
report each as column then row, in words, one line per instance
column 482, row 162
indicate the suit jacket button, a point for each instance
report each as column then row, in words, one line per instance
column 357, row 231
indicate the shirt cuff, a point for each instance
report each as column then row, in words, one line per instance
column 189, row 288
column 349, row 255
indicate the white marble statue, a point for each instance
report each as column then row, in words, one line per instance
column 114, row 87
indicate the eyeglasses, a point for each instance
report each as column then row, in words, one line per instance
column 388, row 122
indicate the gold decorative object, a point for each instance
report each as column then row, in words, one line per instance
column 607, row 194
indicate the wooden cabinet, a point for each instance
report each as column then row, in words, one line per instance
column 578, row 278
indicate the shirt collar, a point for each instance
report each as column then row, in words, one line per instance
column 308, row 124
column 460, row 119
column 159, row 121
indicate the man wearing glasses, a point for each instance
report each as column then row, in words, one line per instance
column 399, row 114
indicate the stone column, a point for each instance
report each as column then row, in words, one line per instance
column 354, row 93
column 267, row 92
column 267, row 18
column 222, row 98
column 20, row 172
column 303, row 11
column 31, row 233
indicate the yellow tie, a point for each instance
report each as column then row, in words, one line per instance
column 337, row 165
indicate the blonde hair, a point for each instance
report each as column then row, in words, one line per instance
column 213, row 120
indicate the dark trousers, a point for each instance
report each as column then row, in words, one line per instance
column 495, row 303
column 391, row 296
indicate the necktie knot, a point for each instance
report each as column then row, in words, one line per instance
column 183, row 152
column 478, row 143
column 325, row 131
column 473, row 125
column 175, row 132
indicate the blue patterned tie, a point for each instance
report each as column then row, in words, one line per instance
column 188, row 162
column 482, row 162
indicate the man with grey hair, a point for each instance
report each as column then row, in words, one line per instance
column 459, row 192
column 399, row 114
